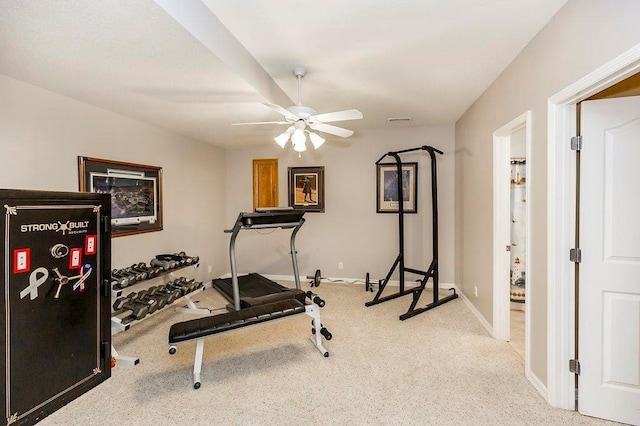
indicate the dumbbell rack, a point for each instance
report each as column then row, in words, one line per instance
column 118, row 326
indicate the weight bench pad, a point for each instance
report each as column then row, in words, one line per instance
column 202, row 327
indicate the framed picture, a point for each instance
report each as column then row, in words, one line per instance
column 136, row 193
column 387, row 188
column 306, row 188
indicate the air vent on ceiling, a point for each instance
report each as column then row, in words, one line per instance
column 394, row 119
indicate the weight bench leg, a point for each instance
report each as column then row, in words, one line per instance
column 192, row 308
column 314, row 312
column 197, row 364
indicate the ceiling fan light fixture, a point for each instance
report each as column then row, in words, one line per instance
column 300, row 116
column 316, row 140
column 299, row 147
column 298, row 137
column 283, row 138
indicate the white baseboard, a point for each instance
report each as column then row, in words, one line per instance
column 337, row 280
column 343, row 280
column 477, row 313
column 537, row 384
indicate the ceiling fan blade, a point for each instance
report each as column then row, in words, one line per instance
column 332, row 130
column 349, row 114
column 260, row 122
column 287, row 114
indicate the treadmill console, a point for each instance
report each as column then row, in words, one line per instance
column 276, row 217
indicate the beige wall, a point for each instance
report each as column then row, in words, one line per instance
column 204, row 188
column 584, row 35
column 349, row 231
column 43, row 133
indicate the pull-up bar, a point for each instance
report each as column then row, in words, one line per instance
column 433, row 271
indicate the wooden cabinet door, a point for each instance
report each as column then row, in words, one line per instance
column 265, row 183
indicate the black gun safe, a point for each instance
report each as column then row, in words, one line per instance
column 56, row 258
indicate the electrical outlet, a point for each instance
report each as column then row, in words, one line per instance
column 475, row 291
column 210, row 269
column 340, row 265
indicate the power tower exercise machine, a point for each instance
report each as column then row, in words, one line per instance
column 432, row 272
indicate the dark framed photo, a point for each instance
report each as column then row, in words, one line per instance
column 387, row 196
column 135, row 189
column 306, row 188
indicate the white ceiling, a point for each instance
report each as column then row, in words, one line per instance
column 195, row 67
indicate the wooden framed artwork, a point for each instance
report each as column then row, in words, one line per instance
column 306, row 188
column 135, row 189
column 387, row 188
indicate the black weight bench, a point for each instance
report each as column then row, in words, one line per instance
column 200, row 328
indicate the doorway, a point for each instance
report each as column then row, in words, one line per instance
column 518, row 252
column 265, row 183
column 609, row 295
column 511, row 240
column 561, row 295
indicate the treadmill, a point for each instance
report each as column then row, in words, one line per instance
column 254, row 289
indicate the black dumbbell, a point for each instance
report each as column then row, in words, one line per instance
column 177, row 285
column 159, row 295
column 183, row 285
column 133, row 277
column 138, row 310
column 140, row 275
column 190, row 285
column 119, row 282
column 165, row 265
column 169, row 294
column 194, row 259
column 172, row 260
column 122, row 273
column 184, row 259
column 146, row 298
column 144, row 269
column 190, row 260
column 194, row 285
column 156, row 270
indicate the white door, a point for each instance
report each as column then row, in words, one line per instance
column 609, row 297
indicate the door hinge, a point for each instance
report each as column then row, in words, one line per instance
column 576, row 143
column 575, row 255
column 574, row 366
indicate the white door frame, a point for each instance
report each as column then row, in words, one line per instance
column 502, row 229
column 561, row 168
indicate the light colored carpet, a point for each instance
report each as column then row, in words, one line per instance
column 440, row 367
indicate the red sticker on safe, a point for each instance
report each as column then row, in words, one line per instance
column 75, row 258
column 21, row 260
column 90, row 244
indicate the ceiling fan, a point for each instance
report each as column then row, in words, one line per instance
column 299, row 117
